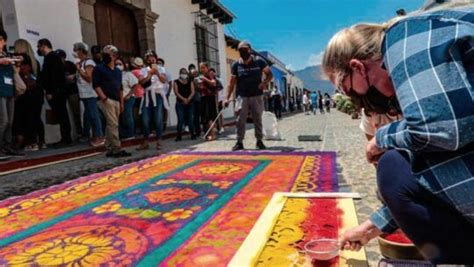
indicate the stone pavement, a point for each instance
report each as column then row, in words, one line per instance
column 339, row 133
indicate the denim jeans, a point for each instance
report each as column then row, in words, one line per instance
column 92, row 118
column 185, row 116
column 154, row 113
column 442, row 234
column 127, row 122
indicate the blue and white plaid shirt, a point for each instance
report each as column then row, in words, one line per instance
column 430, row 58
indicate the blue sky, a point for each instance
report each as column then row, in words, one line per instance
column 297, row 31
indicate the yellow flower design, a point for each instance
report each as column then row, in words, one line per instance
column 178, row 214
column 166, row 181
column 222, row 184
column 71, row 251
column 220, row 169
column 4, row 212
column 111, row 206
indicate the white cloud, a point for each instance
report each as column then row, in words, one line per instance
column 289, row 67
column 315, row 59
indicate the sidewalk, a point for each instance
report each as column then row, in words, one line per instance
column 48, row 156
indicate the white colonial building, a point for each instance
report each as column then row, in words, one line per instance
column 181, row 31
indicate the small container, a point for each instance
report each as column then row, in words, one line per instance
column 322, row 249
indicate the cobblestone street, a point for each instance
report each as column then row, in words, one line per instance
column 338, row 132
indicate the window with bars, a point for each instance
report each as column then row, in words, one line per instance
column 207, row 44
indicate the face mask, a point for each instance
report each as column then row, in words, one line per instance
column 39, row 52
column 160, row 65
column 374, row 101
column 183, row 76
column 106, row 58
column 74, row 54
column 244, row 54
column 120, row 67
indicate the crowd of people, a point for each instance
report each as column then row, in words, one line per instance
column 412, row 78
column 121, row 98
column 314, row 101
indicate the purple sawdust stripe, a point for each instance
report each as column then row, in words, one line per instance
column 12, row 200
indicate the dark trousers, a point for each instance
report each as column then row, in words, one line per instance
column 277, row 105
column 185, row 116
column 442, row 234
column 197, row 118
column 37, row 126
column 59, row 106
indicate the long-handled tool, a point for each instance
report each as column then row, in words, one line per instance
column 215, row 121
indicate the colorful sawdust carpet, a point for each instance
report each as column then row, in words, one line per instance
column 289, row 222
column 183, row 209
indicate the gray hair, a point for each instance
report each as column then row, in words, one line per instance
column 112, row 49
column 83, row 47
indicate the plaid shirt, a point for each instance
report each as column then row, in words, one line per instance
column 430, row 58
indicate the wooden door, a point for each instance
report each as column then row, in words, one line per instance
column 116, row 25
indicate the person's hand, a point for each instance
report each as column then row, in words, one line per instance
column 78, row 66
column 226, row 103
column 5, row 61
column 49, row 97
column 373, row 152
column 186, row 101
column 153, row 71
column 354, row 239
column 263, row 86
column 16, row 68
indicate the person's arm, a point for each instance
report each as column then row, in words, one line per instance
column 96, row 83
column 359, row 236
column 162, row 75
column 230, row 88
column 267, row 71
column 5, row 61
column 86, row 74
column 146, row 78
column 212, row 81
column 20, row 85
column 176, row 92
column 192, row 92
column 425, row 128
column 58, row 73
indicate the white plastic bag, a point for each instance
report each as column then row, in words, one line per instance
column 270, row 126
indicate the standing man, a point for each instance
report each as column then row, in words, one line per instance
column 247, row 74
column 72, row 90
column 314, row 102
column 276, row 99
column 53, row 80
column 107, row 82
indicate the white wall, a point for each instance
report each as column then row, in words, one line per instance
column 228, row 113
column 176, row 40
column 10, row 22
column 57, row 20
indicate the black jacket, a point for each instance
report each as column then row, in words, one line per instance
column 52, row 77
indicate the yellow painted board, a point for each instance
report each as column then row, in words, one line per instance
column 253, row 245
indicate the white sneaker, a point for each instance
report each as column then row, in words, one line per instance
column 221, row 131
